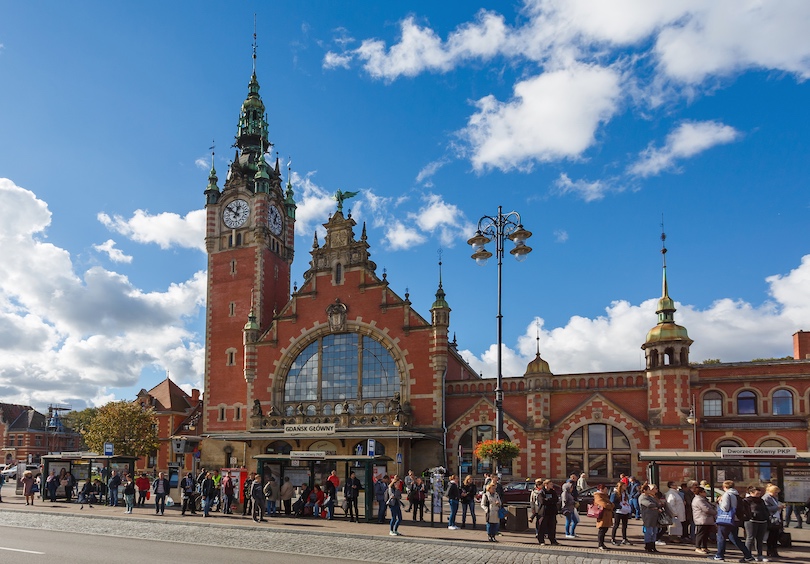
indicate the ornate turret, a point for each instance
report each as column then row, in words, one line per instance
column 537, row 366
column 251, row 133
column 440, row 310
column 667, row 343
column 212, row 190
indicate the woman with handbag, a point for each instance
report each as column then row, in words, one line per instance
column 621, row 501
column 605, row 520
column 491, row 504
column 394, row 501
column 774, row 518
column 651, row 509
column 703, row 513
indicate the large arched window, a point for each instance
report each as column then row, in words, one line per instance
column 746, row 403
column 712, row 404
column 782, row 402
column 470, row 464
column 340, row 367
column 601, row 451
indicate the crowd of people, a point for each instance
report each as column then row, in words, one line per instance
column 683, row 513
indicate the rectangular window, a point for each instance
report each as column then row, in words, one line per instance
column 712, row 407
column 597, row 437
column 222, row 414
column 597, row 465
column 238, row 414
column 38, row 440
column 574, row 463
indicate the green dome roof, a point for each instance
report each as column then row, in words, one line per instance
column 667, row 332
column 537, row 366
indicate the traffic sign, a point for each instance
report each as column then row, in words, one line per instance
column 109, row 449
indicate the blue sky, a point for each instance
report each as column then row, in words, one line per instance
column 591, row 119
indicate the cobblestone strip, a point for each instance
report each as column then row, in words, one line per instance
column 363, row 548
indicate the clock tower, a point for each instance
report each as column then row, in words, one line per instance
column 249, row 239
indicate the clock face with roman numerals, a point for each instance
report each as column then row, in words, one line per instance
column 274, row 220
column 236, row 214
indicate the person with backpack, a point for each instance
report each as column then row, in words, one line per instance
column 731, row 512
column 757, row 526
column 228, row 490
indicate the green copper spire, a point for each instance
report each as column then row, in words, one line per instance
column 667, row 329
column 262, row 178
column 441, row 302
column 212, row 190
column 289, row 200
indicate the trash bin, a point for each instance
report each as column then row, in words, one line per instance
column 518, row 518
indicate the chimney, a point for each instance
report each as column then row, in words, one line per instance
column 195, row 395
column 801, row 345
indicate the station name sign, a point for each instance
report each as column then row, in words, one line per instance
column 310, row 429
column 747, row 453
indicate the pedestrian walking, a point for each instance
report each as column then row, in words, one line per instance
column 453, row 496
column 394, row 501
column 492, row 505
column 468, row 492
column 605, row 520
column 544, row 504
column 160, row 487
column 568, row 505
column 621, row 513
column 703, row 514
column 651, row 509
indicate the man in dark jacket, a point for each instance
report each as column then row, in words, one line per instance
column 160, row 487
column 207, row 489
column 247, row 487
column 112, row 488
column 187, row 487
column 544, row 502
column 379, row 494
column 351, row 491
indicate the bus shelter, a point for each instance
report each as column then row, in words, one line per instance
column 313, row 467
column 785, row 467
column 84, row 466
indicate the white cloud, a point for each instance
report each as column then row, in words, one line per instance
column 203, row 163
column 166, row 229
column 582, row 57
column 314, row 203
column 588, row 191
column 336, row 60
column 68, row 338
column 420, row 49
column 115, row 255
column 727, row 36
column 687, row 140
column 731, row 330
column 401, row 237
column 446, row 219
column 551, row 116
column 427, row 172
column 560, row 235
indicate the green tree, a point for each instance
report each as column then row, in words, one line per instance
column 79, row 421
column 131, row 429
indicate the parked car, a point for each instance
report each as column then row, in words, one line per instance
column 10, row 473
column 586, row 498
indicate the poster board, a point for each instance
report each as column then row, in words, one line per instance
column 797, row 485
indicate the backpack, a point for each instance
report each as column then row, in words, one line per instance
column 743, row 513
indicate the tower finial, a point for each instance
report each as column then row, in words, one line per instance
column 440, row 252
column 254, row 43
column 211, row 148
column 665, row 289
column 538, row 337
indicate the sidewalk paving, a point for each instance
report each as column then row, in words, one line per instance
column 584, row 546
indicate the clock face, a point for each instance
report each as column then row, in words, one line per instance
column 274, row 220
column 236, row 213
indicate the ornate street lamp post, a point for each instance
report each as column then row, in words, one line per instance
column 498, row 228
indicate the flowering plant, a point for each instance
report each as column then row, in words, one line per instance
column 500, row 451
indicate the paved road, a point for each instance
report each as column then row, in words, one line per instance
column 31, row 546
column 307, row 539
